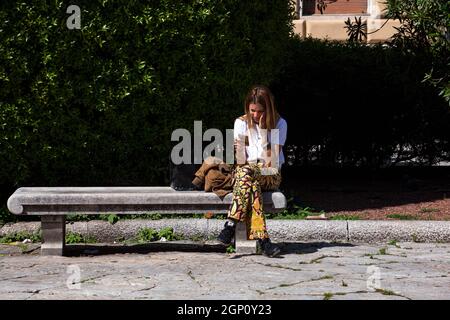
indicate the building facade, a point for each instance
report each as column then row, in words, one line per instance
column 325, row 19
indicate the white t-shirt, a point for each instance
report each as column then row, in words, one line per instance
column 255, row 150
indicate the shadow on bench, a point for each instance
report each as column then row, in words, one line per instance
column 52, row 204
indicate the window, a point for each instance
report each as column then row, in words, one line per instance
column 324, row 7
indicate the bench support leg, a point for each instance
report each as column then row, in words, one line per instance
column 243, row 245
column 53, row 235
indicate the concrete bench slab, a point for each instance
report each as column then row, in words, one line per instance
column 54, row 203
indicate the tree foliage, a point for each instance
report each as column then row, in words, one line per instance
column 425, row 28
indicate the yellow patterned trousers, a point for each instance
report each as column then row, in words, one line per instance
column 247, row 203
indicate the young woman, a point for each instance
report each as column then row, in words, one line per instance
column 256, row 169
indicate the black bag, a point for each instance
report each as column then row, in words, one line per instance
column 181, row 176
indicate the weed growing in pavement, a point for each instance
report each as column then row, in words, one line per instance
column 197, row 237
column 231, row 249
column 149, row 235
column 113, row 218
column 168, row 234
column 385, row 292
column 392, row 242
column 327, row 296
column 74, row 237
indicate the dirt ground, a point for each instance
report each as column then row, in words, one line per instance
column 376, row 199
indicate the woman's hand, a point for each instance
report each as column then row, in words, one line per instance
column 262, row 120
column 239, row 151
column 269, row 161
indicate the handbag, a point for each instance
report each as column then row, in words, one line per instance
column 181, row 176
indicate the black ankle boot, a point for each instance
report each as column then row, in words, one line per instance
column 268, row 248
column 227, row 233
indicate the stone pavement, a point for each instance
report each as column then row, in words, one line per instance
column 182, row 270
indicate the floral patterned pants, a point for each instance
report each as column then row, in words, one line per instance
column 247, row 203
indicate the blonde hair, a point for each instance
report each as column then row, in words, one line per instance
column 261, row 95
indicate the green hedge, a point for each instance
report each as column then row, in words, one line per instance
column 97, row 106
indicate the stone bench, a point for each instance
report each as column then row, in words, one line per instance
column 52, row 204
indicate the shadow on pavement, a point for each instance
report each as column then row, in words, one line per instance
column 97, row 249
column 76, row 250
column 299, row 248
column 308, row 247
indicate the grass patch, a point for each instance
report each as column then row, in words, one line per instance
column 75, row 237
column 294, row 212
column 20, row 236
column 402, row 216
column 382, row 251
column 344, row 217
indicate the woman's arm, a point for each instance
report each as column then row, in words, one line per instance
column 279, row 140
column 239, row 142
column 273, row 159
column 239, row 150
